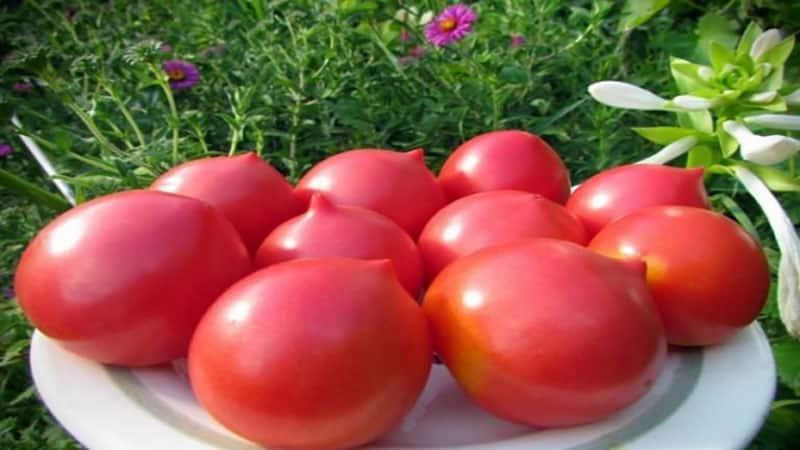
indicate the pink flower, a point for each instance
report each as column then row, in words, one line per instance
column 22, row 86
column 453, row 24
column 517, row 40
column 182, row 74
column 405, row 36
column 416, row 52
column 5, row 150
column 165, row 48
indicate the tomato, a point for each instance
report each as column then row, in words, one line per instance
column 491, row 218
column 617, row 192
column 708, row 276
column 545, row 332
column 312, row 353
column 397, row 185
column 331, row 230
column 124, row 279
column 508, row 159
column 251, row 193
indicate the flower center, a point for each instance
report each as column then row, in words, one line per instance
column 176, row 74
column 447, row 24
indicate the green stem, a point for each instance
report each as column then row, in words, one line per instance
column 93, row 128
column 173, row 110
column 127, row 114
column 23, row 187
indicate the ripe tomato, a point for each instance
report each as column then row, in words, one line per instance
column 708, row 276
column 397, row 185
column 331, row 230
column 312, row 353
column 124, row 279
column 491, row 218
column 251, row 193
column 508, row 159
column 545, row 332
column 617, row 192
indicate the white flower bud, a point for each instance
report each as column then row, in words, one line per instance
column 764, row 42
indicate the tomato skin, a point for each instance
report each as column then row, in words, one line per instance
column 617, row 192
column 709, row 278
column 395, row 184
column 124, row 279
column 251, row 193
column 492, row 218
column 505, row 160
column 545, row 332
column 344, row 231
column 312, row 353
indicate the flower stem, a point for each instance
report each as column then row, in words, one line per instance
column 126, row 113
column 162, row 80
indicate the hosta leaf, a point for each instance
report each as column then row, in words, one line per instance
column 727, row 143
column 699, row 120
column 686, row 75
column 750, row 34
column 778, row 55
column 702, row 156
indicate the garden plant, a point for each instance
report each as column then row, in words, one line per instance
column 101, row 97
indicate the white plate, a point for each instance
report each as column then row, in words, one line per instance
column 714, row 398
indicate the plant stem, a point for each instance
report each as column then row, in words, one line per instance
column 127, row 114
column 32, row 191
column 173, row 110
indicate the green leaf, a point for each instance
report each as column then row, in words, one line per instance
column 787, row 357
column 685, row 74
column 702, row 156
column 776, row 179
column 749, row 36
column 514, row 75
column 32, row 191
column 714, row 27
column 774, row 81
column 720, row 55
column 637, row 12
column 777, row 105
column 699, row 120
column 727, row 143
column 664, row 135
column 778, row 55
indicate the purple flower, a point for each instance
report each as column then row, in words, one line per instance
column 22, row 86
column 182, row 74
column 5, row 150
column 453, row 24
column 165, row 48
column 517, row 40
column 8, row 292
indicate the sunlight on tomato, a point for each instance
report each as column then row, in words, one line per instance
column 252, row 194
column 507, row 159
column 312, row 353
column 124, row 279
column 491, row 218
column 545, row 332
column 617, row 192
column 332, row 230
column 395, row 184
column 709, row 278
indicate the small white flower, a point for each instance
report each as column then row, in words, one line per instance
column 779, row 121
column 766, row 150
column 788, row 243
column 763, row 97
column 765, row 42
column 426, row 17
column 793, row 98
column 625, row 95
column 671, row 151
column 693, row 102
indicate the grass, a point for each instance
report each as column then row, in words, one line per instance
column 297, row 81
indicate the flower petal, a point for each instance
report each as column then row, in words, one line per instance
column 625, row 95
column 793, row 98
column 769, row 150
column 763, row 97
column 692, row 102
column 671, row 151
column 788, row 243
column 764, row 42
column 779, row 121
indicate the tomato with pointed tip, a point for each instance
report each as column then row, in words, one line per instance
column 545, row 332
column 251, row 193
column 312, row 353
column 492, row 218
column 617, row 192
column 346, row 231
column 395, row 184
column 708, row 276
column 124, row 279
column 505, row 160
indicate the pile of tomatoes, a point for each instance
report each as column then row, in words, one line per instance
column 310, row 316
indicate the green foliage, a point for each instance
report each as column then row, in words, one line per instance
column 298, row 81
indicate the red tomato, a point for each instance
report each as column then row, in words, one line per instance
column 708, row 276
column 312, row 353
column 251, row 193
column 617, row 192
column 124, row 279
column 509, row 159
column 491, row 218
column 545, row 332
column 395, row 184
column 330, row 230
